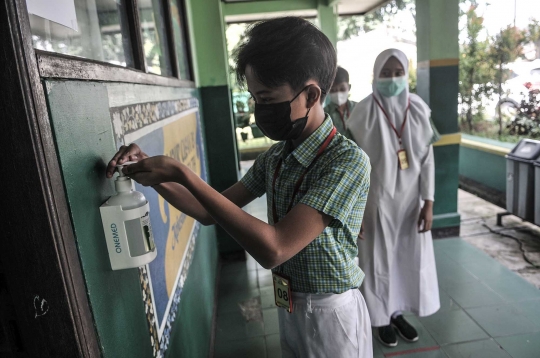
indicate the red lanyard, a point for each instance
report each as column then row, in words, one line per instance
column 301, row 179
column 390, row 122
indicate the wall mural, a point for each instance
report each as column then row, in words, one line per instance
column 171, row 128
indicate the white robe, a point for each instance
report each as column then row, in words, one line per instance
column 398, row 261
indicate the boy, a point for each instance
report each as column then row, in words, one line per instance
column 316, row 183
column 340, row 107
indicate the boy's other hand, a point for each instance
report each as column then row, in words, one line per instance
column 128, row 153
column 425, row 220
column 154, row 170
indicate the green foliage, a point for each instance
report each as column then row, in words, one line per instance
column 351, row 26
column 505, row 47
column 476, row 72
column 533, row 35
column 527, row 120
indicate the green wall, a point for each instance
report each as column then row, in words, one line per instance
column 80, row 117
column 486, row 168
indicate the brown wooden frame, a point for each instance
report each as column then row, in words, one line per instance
column 39, row 258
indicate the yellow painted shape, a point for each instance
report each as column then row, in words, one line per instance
column 180, row 143
column 489, row 148
column 448, row 139
column 438, row 63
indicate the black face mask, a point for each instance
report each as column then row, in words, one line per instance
column 274, row 120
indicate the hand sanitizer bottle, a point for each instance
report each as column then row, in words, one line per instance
column 126, row 223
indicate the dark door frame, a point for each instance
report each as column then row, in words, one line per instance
column 44, row 308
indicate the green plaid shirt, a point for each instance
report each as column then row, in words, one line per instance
column 340, row 122
column 337, row 185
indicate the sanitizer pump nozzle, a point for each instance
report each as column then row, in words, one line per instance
column 126, row 222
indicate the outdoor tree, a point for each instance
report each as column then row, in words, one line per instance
column 351, row 26
column 475, row 71
column 505, row 47
column 533, row 35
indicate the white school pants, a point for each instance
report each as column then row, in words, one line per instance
column 326, row 326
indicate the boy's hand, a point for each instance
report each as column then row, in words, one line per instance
column 155, row 170
column 125, row 154
column 426, row 217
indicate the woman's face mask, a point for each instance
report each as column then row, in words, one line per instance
column 274, row 120
column 391, row 86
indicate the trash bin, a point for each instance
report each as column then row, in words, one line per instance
column 520, row 178
column 537, row 192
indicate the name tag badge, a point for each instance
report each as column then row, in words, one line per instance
column 282, row 292
column 403, row 159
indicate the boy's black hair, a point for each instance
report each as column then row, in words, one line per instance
column 341, row 76
column 287, row 50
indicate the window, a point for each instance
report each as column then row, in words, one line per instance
column 103, row 33
column 147, row 35
column 154, row 37
column 180, row 41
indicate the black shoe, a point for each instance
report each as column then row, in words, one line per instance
column 404, row 328
column 387, row 336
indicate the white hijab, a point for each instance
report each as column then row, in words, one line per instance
column 372, row 132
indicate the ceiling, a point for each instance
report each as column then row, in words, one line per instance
column 344, row 7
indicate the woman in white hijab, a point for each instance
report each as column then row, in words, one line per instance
column 393, row 127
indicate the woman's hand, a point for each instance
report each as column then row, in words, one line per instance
column 426, row 217
column 155, row 170
column 125, row 154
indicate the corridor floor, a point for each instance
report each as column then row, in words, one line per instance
column 487, row 310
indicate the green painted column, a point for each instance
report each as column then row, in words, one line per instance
column 328, row 19
column 210, row 65
column 438, row 84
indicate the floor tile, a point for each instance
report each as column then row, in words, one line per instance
column 265, row 278
column 240, row 280
column 447, row 302
column 522, row 346
column 253, row 347
column 531, row 309
column 452, row 327
column 438, row 353
column 452, row 274
column 233, row 326
column 474, row 294
column 503, row 320
column 486, row 348
column 228, row 300
column 273, row 347
column 424, row 339
column 271, row 322
column 268, row 301
column 487, row 270
column 513, row 289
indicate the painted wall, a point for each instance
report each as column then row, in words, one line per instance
column 483, row 166
column 83, row 132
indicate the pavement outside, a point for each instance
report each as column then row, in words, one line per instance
column 488, row 279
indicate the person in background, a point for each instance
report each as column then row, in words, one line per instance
column 340, row 107
column 395, row 247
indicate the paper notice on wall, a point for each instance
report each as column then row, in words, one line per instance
column 59, row 11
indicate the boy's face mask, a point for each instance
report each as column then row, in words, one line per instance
column 390, row 87
column 339, row 98
column 274, row 120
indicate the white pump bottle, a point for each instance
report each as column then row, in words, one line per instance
column 126, row 223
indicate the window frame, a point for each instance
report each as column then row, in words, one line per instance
column 57, row 65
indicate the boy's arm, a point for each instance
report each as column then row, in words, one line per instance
column 269, row 245
column 174, row 193
column 178, row 196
